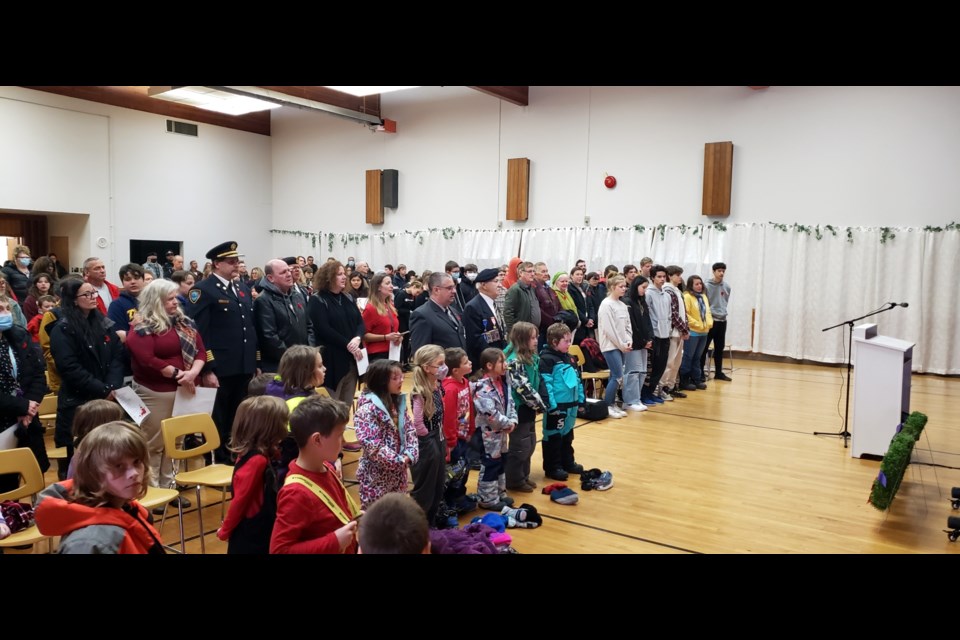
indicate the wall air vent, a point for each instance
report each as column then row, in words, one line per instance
column 183, row 128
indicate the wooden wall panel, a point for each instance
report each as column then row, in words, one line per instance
column 717, row 178
column 518, row 188
column 374, row 197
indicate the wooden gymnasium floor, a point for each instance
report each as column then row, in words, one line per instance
column 733, row 469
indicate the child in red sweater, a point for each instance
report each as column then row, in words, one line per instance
column 315, row 514
column 458, row 428
column 258, row 428
column 44, row 304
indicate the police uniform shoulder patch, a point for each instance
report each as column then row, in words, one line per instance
column 193, row 296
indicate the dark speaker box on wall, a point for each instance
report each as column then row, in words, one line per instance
column 390, row 188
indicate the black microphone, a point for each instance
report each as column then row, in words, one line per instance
column 902, row 304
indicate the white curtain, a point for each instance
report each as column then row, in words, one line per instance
column 740, row 247
column 561, row 248
column 938, row 302
column 427, row 249
column 787, row 284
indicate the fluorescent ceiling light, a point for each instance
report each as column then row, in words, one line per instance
column 367, row 91
column 212, row 99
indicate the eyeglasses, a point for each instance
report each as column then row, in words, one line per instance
column 451, row 287
column 90, row 295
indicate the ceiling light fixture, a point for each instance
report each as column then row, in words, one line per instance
column 212, row 99
column 368, row 91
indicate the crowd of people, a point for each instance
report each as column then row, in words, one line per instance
column 288, row 347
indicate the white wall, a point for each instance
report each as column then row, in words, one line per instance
column 135, row 180
column 816, row 155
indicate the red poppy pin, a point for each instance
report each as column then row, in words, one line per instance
column 299, row 306
column 243, row 295
column 106, row 338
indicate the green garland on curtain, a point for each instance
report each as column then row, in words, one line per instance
column 895, row 461
column 448, row 233
column 301, row 234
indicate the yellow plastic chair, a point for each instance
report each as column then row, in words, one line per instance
column 217, row 475
column 157, row 497
column 577, row 353
column 48, row 411
column 24, row 463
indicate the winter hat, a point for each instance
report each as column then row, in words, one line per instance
column 565, row 496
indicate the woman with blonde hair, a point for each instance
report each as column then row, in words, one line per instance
column 16, row 311
column 17, row 271
column 167, row 354
column 429, row 471
column 380, row 318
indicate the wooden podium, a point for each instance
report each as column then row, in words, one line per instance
column 881, row 389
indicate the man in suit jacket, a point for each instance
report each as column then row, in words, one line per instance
column 482, row 324
column 222, row 308
column 436, row 322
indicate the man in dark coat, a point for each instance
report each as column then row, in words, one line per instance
column 482, row 324
column 222, row 308
column 280, row 314
column 436, row 322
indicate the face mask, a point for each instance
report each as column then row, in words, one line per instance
column 456, row 276
column 471, row 276
column 6, row 321
column 24, row 261
column 351, row 265
column 442, row 372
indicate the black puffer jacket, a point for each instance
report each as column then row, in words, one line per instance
column 87, row 371
column 19, row 283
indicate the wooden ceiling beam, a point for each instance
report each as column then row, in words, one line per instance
column 137, row 98
column 519, row 96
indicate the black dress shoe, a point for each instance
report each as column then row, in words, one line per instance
column 720, row 375
column 557, row 474
column 575, row 469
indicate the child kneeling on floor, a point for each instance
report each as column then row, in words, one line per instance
column 564, row 395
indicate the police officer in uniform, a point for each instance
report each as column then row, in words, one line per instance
column 222, row 308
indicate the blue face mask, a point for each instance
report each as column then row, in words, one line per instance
column 6, row 321
column 456, row 276
column 442, row 372
column 25, row 262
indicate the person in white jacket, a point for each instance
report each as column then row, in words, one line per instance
column 615, row 335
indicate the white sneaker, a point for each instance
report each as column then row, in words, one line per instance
column 614, row 412
column 666, row 395
column 636, row 407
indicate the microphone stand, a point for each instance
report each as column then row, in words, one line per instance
column 845, row 434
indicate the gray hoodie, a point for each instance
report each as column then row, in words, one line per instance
column 659, row 305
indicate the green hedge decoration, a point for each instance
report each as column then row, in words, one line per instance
column 895, row 461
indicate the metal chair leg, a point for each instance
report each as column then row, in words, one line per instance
column 203, row 543
column 183, row 541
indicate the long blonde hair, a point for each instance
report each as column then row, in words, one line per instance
column 151, row 306
column 421, row 385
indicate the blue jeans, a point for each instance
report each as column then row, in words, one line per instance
column 614, row 360
column 690, row 365
column 635, row 363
